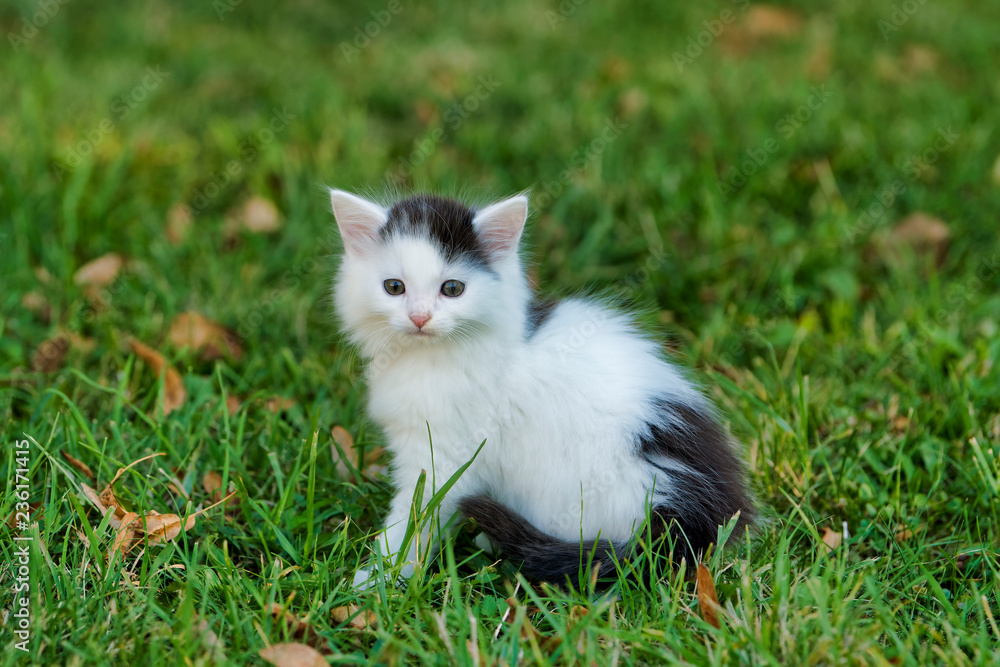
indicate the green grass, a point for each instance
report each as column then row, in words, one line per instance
column 865, row 383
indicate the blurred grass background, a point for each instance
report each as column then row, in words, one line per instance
column 721, row 165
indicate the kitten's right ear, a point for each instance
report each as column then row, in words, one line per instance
column 358, row 219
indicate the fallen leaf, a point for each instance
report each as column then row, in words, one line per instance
column 174, row 393
column 99, row 272
column 79, row 465
column 708, row 601
column 298, row 628
column 831, row 539
column 207, row 337
column 179, row 219
column 49, row 355
column 160, row 528
column 903, row 533
column 923, row 234
column 919, row 58
column 771, row 21
column 356, row 618
column 343, row 438
column 42, row 274
column 233, row 404
column 293, row 655
column 124, row 536
column 257, row 216
column 278, row 404
column 35, row 512
column 37, row 304
column 212, row 483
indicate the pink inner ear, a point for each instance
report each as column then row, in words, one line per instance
column 358, row 219
column 501, row 224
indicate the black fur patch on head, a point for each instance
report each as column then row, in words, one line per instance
column 709, row 492
column 539, row 311
column 445, row 221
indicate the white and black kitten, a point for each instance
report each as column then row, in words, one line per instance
column 588, row 429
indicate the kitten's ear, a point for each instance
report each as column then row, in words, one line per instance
column 500, row 225
column 358, row 219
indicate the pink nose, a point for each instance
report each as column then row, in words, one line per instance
column 420, row 320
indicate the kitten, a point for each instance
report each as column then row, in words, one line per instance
column 586, row 426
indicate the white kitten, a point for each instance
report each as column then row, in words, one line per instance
column 586, row 427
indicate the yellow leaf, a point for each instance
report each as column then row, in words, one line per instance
column 708, row 601
column 79, row 465
column 293, row 655
column 206, row 337
column 99, row 272
column 174, row 393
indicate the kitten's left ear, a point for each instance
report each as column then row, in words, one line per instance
column 358, row 219
column 500, row 225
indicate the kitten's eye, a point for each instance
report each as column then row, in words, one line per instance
column 452, row 287
column 394, row 287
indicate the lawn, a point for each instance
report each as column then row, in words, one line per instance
column 803, row 200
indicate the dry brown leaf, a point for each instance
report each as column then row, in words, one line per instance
column 903, row 533
column 278, row 404
column 212, row 483
column 293, row 655
column 831, row 540
column 99, row 272
column 174, row 393
column 42, row 274
column 49, row 356
column 37, row 304
column 357, row 619
column 179, row 219
column 919, row 58
column 124, row 536
column 708, row 601
column 923, row 234
column 771, row 21
column 160, row 528
column 233, row 404
column 207, row 337
column 299, row 628
column 257, row 216
column 79, row 465
column 35, row 512
column 343, row 438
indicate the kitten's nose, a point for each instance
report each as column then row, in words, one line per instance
column 420, row 320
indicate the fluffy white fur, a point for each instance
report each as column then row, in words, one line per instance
column 559, row 410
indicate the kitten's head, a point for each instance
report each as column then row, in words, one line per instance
column 428, row 270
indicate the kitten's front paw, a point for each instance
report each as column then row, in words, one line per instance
column 483, row 542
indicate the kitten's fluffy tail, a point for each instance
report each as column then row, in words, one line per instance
column 542, row 557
